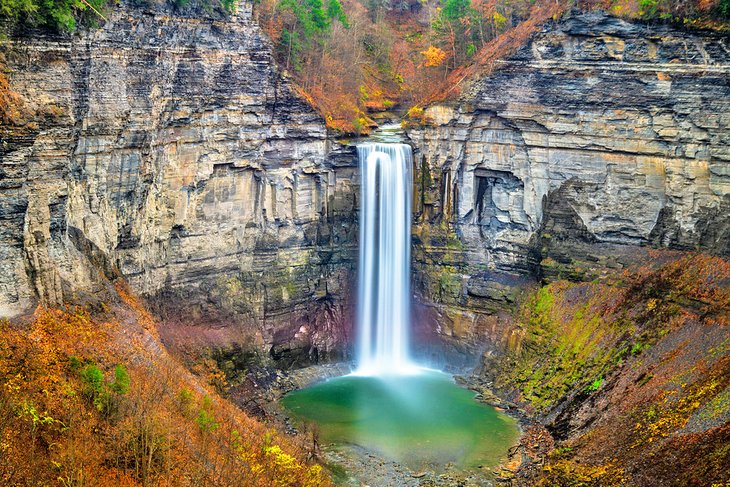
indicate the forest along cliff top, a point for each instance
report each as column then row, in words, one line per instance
column 353, row 58
column 356, row 58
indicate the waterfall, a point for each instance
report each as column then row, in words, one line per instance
column 385, row 259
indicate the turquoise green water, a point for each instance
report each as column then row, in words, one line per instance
column 417, row 420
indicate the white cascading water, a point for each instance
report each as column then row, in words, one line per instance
column 385, row 259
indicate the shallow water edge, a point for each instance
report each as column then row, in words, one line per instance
column 460, row 448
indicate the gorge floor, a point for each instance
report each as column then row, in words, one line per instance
column 422, row 429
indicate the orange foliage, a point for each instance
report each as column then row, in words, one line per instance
column 373, row 65
column 695, row 279
column 413, row 57
column 501, row 47
column 572, row 334
column 434, row 56
column 385, row 61
column 10, row 102
column 166, row 429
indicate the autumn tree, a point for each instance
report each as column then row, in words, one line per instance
column 434, row 56
column 453, row 29
column 306, row 25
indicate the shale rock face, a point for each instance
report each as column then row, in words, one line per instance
column 596, row 140
column 168, row 149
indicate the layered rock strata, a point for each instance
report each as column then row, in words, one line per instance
column 596, row 141
column 168, row 149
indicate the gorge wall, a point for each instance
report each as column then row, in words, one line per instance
column 597, row 140
column 165, row 147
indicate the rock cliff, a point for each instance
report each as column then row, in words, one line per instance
column 597, row 140
column 168, row 149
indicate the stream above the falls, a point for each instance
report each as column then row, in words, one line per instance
column 422, row 421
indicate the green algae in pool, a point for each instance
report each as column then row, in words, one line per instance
column 418, row 420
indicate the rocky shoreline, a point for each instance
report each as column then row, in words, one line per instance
column 535, row 442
